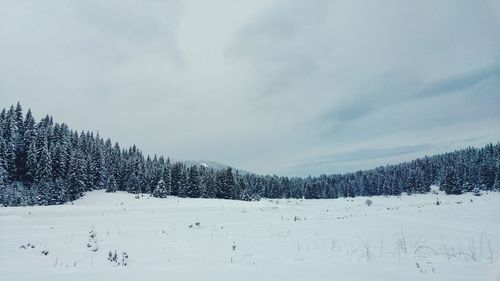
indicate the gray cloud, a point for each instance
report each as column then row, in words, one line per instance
column 456, row 85
column 368, row 154
column 461, row 81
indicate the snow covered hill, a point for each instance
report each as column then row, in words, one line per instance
column 211, row 165
column 393, row 238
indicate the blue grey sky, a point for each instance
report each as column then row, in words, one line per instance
column 271, row 86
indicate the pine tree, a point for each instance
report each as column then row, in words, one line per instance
column 193, row 189
column 28, row 140
column 76, row 179
column 3, row 180
column 3, row 175
column 89, row 173
column 59, row 161
column 496, row 184
column 166, row 174
column 44, row 168
column 486, row 173
column 10, row 136
column 133, row 184
column 176, row 177
column 18, row 141
column 183, row 183
column 209, row 189
column 19, row 119
column 62, row 189
column 226, row 184
column 31, row 163
column 259, row 187
column 240, row 188
column 451, row 183
column 3, row 155
column 111, row 185
column 245, row 195
column 50, row 193
column 160, row 190
column 274, row 189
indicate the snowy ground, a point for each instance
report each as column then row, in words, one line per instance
column 407, row 238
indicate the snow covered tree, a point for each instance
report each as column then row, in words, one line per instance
column 3, row 181
column 59, row 161
column 167, row 169
column 111, row 185
column 31, row 163
column 50, row 193
column 486, row 173
column 226, row 182
column 161, row 190
column 27, row 147
column 133, row 184
column 451, row 183
column 496, row 184
column 176, row 178
column 44, row 168
column 77, row 177
column 183, row 183
column 208, row 186
column 7, row 146
column 193, row 186
column 240, row 188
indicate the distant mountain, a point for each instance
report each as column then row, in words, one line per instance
column 212, row 165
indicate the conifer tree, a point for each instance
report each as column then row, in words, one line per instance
column 31, row 163
column 451, row 182
column 44, row 168
column 160, row 190
column 496, row 184
column 50, row 193
column 3, row 180
column 76, row 179
column 183, row 183
column 18, row 141
column 208, row 185
column 111, row 185
column 166, row 168
column 28, row 139
column 133, row 184
column 10, row 136
column 226, row 184
column 193, row 186
column 176, row 178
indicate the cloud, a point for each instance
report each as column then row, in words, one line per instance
column 461, row 81
column 266, row 86
column 395, row 95
column 367, row 154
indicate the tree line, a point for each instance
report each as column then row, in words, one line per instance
column 47, row 163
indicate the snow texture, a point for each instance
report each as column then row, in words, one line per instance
column 121, row 236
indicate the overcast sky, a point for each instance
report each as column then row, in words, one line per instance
column 287, row 87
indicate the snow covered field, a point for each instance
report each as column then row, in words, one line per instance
column 406, row 238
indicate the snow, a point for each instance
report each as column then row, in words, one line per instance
column 396, row 238
column 435, row 190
